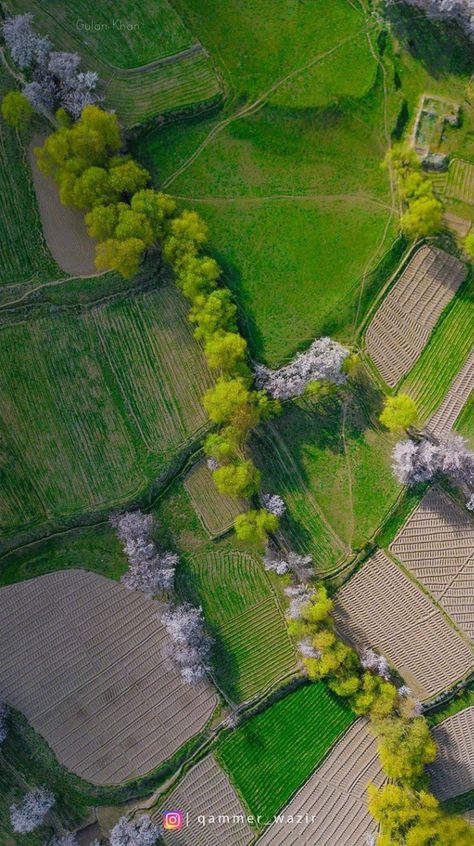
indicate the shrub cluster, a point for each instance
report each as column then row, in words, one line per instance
column 423, row 211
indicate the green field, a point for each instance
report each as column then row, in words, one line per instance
column 140, row 79
column 269, row 757
column 331, row 464
column 24, row 255
column 445, row 353
column 252, row 647
column 80, row 432
column 465, row 421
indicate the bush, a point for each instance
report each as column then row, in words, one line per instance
column 254, row 526
column 16, row 110
column 423, row 217
column 225, row 351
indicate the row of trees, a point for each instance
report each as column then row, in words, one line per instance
column 149, row 570
column 423, row 211
column 408, row 814
column 56, row 80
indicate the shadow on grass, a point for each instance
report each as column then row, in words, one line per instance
column 441, row 46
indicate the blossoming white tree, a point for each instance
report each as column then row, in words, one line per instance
column 31, row 811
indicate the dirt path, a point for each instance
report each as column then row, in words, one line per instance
column 251, row 108
column 357, row 197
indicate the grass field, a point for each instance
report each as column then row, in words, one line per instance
column 465, row 422
column 79, row 430
column 148, row 61
column 269, row 757
column 445, row 353
column 24, row 255
column 331, row 464
column 252, row 647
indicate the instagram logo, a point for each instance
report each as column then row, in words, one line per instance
column 172, row 820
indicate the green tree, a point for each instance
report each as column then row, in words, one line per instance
column 123, row 256
column 469, row 245
column 375, row 696
column 399, row 413
column 156, row 207
column 197, row 276
column 101, row 221
column 186, row 235
column 422, row 218
column 228, row 401
column 213, row 312
column 254, row 526
column 239, row 479
column 93, row 188
column 127, row 177
column 225, row 351
column 222, row 445
column 404, row 748
column 17, row 111
column 132, row 224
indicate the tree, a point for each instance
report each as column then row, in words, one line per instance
column 64, row 66
column 469, row 245
column 241, row 478
column 213, row 312
column 186, row 235
column 93, row 188
column 422, row 218
column 149, row 571
column 458, row 10
column 123, row 256
column 399, row 413
column 274, row 504
column 225, row 351
column 31, row 812
column 81, row 93
column 132, row 224
column 127, row 177
column 226, row 399
column 65, row 840
column 405, row 747
column 254, row 526
column 25, row 45
column 190, row 645
column 156, row 207
column 142, row 832
column 376, row 696
column 16, row 110
column 322, row 362
column 40, row 96
column 197, row 275
column 101, row 221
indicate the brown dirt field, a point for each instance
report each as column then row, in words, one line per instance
column 206, row 789
column 336, row 795
column 380, row 607
column 453, row 771
column 81, row 657
column 216, row 511
column 437, row 545
column 404, row 322
column 458, row 394
column 64, row 228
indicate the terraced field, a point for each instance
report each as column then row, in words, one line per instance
column 24, row 254
column 269, row 757
column 380, row 607
column 453, row 771
column 445, row 355
column 152, row 68
column 437, row 545
column 403, row 324
column 334, row 797
column 252, row 647
column 216, row 511
column 206, row 791
column 447, row 413
column 79, row 428
column 460, row 183
column 81, row 657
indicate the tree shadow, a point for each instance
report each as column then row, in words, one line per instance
column 441, row 46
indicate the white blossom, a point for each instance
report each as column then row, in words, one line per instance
column 307, row 650
column 299, row 596
column 377, row 663
column 284, row 562
column 64, row 66
column 420, row 461
column 273, row 503
column 459, row 10
column 404, row 691
column 149, row 570
column 321, row 362
column 212, row 464
column 470, row 503
column 189, row 647
column 65, row 840
column 143, row 832
column 25, row 45
column 31, row 811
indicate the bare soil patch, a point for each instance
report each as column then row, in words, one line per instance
column 437, row 545
column 452, row 773
column 458, row 394
column 64, row 228
column 404, row 322
column 381, row 607
column 82, row 658
column 336, row 795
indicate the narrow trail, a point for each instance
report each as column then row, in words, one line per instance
column 251, row 108
column 54, row 282
column 358, row 197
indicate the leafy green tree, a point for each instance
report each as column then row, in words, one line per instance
column 132, row 224
column 197, row 275
column 213, row 312
column 241, row 478
column 399, row 413
column 254, row 526
column 101, row 221
column 127, row 177
column 123, row 256
column 187, row 234
column 403, row 159
column 156, row 207
column 469, row 245
column 17, row 111
column 63, row 118
column 422, row 218
column 223, row 445
column 375, row 696
column 404, row 748
column 93, row 188
column 225, row 351
column 228, row 400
